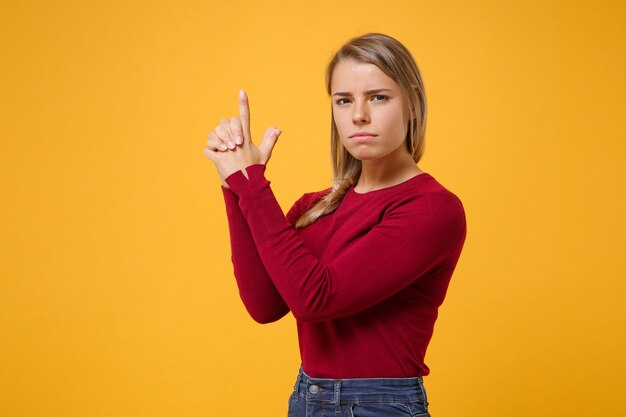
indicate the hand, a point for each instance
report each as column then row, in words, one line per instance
column 237, row 155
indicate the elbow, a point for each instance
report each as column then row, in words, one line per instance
column 267, row 316
column 318, row 306
column 266, row 319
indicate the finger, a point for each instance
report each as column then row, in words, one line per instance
column 244, row 114
column 269, row 140
column 215, row 144
column 225, row 123
column 236, row 130
column 224, row 136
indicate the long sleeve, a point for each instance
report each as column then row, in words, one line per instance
column 256, row 289
column 410, row 241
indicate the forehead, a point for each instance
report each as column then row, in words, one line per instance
column 354, row 76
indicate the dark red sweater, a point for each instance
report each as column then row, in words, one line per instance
column 364, row 282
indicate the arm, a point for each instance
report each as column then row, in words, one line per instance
column 409, row 242
column 256, row 289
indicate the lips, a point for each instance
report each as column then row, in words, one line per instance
column 362, row 138
column 362, row 135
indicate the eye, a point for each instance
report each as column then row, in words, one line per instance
column 381, row 97
column 341, row 101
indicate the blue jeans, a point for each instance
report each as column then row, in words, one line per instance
column 358, row 397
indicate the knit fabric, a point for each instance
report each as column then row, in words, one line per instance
column 364, row 283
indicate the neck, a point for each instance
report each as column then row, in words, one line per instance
column 382, row 173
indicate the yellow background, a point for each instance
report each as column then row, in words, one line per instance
column 117, row 296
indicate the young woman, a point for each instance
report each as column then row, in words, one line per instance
column 363, row 265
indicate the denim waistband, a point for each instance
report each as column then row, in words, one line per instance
column 342, row 391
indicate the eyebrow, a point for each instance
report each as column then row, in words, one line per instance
column 343, row 94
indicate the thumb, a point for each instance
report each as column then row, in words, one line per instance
column 269, row 140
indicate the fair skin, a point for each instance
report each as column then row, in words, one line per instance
column 230, row 146
column 365, row 99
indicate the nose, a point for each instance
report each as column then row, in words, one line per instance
column 360, row 114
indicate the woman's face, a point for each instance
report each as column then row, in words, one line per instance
column 366, row 100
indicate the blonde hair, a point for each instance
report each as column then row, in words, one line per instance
column 395, row 60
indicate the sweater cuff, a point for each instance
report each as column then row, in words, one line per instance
column 238, row 182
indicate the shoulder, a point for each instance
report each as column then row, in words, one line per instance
column 441, row 199
column 306, row 201
column 427, row 202
column 432, row 192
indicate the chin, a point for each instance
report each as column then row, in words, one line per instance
column 363, row 154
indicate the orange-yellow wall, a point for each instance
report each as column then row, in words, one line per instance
column 116, row 290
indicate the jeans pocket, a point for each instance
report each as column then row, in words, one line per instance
column 418, row 409
column 387, row 409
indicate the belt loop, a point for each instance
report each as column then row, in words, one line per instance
column 337, row 396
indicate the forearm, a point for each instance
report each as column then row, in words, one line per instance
column 256, row 289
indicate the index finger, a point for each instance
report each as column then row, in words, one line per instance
column 244, row 114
